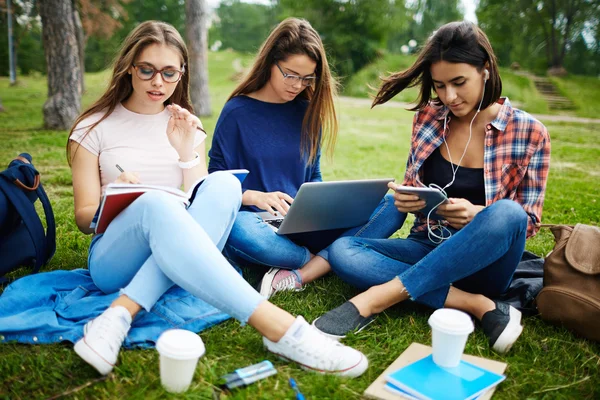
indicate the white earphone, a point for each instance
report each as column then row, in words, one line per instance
column 435, row 238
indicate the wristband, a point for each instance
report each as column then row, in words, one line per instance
column 190, row 164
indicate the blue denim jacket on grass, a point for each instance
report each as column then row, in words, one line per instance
column 54, row 306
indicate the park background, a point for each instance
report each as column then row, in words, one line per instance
column 549, row 52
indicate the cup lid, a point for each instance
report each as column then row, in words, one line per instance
column 180, row 344
column 451, row 321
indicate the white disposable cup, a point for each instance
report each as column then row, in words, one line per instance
column 179, row 352
column 449, row 332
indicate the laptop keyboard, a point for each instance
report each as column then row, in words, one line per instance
column 275, row 222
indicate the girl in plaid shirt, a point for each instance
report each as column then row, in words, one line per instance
column 492, row 161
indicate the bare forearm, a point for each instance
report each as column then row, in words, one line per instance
column 191, row 176
column 248, row 197
column 84, row 217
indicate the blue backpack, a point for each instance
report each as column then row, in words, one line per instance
column 23, row 241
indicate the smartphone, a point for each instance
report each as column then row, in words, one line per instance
column 433, row 198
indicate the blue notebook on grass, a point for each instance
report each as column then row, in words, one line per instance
column 424, row 379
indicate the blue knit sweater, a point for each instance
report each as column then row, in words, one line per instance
column 263, row 138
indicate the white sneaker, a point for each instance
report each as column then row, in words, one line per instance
column 314, row 351
column 103, row 337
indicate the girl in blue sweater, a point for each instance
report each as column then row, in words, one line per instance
column 274, row 125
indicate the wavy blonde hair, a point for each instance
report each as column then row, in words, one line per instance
column 120, row 87
column 295, row 36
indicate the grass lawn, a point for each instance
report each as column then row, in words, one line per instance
column 546, row 362
column 584, row 91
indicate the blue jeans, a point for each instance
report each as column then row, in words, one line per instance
column 253, row 241
column 155, row 243
column 479, row 258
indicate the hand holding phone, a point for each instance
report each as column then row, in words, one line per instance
column 421, row 199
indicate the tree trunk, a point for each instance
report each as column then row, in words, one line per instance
column 63, row 61
column 80, row 44
column 197, row 40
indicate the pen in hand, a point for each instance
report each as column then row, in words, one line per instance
column 299, row 395
column 119, row 168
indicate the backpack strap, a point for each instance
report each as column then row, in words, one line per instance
column 50, row 225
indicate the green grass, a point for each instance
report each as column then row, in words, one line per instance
column 520, row 90
column 546, row 362
column 362, row 83
column 584, row 91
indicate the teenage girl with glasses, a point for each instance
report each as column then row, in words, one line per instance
column 492, row 161
column 274, row 125
column 144, row 123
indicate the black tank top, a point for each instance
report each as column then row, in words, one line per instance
column 469, row 183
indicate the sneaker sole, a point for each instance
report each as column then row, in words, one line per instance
column 351, row 372
column 265, row 284
column 511, row 333
column 340, row 337
column 90, row 356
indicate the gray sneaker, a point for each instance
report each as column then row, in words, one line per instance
column 502, row 326
column 341, row 321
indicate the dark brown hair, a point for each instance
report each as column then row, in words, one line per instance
column 120, row 87
column 291, row 37
column 455, row 42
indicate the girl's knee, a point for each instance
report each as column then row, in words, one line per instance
column 154, row 199
column 510, row 211
column 342, row 252
column 225, row 182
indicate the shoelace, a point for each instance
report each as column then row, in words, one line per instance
column 325, row 351
column 103, row 327
column 287, row 282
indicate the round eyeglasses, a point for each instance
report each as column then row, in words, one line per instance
column 291, row 80
column 147, row 72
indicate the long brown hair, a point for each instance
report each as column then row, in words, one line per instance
column 455, row 42
column 120, row 87
column 291, row 37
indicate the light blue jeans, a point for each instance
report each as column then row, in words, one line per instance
column 253, row 241
column 155, row 243
column 479, row 258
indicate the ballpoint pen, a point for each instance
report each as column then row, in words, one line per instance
column 299, row 395
column 119, row 168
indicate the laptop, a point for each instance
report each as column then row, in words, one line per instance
column 322, row 206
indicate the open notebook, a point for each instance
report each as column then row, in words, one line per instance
column 119, row 196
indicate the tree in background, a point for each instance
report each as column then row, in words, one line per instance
column 428, row 15
column 542, row 34
column 352, row 31
column 196, row 32
column 242, row 26
column 27, row 35
column 99, row 19
column 62, row 58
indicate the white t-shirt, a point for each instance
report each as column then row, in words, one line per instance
column 137, row 142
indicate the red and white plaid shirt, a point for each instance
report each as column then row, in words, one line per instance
column 516, row 158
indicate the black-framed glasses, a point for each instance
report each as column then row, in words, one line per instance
column 147, row 72
column 291, row 80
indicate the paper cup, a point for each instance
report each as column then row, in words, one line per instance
column 179, row 353
column 449, row 332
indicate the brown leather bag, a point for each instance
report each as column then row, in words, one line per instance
column 571, row 293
